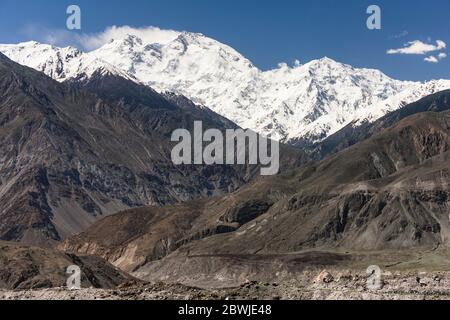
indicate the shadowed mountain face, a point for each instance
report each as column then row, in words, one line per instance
column 390, row 191
column 74, row 152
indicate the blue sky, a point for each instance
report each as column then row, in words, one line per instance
column 266, row 32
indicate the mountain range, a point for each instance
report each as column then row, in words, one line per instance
column 86, row 171
column 300, row 105
column 75, row 152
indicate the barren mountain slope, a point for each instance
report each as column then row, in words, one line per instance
column 70, row 157
column 388, row 192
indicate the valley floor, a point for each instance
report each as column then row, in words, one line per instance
column 326, row 285
column 310, row 275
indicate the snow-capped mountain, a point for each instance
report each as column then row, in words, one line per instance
column 309, row 101
column 59, row 63
column 407, row 96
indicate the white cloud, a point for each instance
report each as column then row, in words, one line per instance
column 436, row 59
column 419, row 47
column 147, row 34
column 92, row 41
column 431, row 59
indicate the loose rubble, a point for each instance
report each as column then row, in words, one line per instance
column 324, row 285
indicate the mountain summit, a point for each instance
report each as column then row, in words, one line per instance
column 303, row 103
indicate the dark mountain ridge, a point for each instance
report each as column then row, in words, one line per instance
column 74, row 152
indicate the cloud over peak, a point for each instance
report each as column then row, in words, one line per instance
column 147, row 34
column 92, row 41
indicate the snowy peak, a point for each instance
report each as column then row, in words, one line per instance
column 309, row 101
column 42, row 57
column 411, row 94
column 316, row 99
column 187, row 52
column 58, row 63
